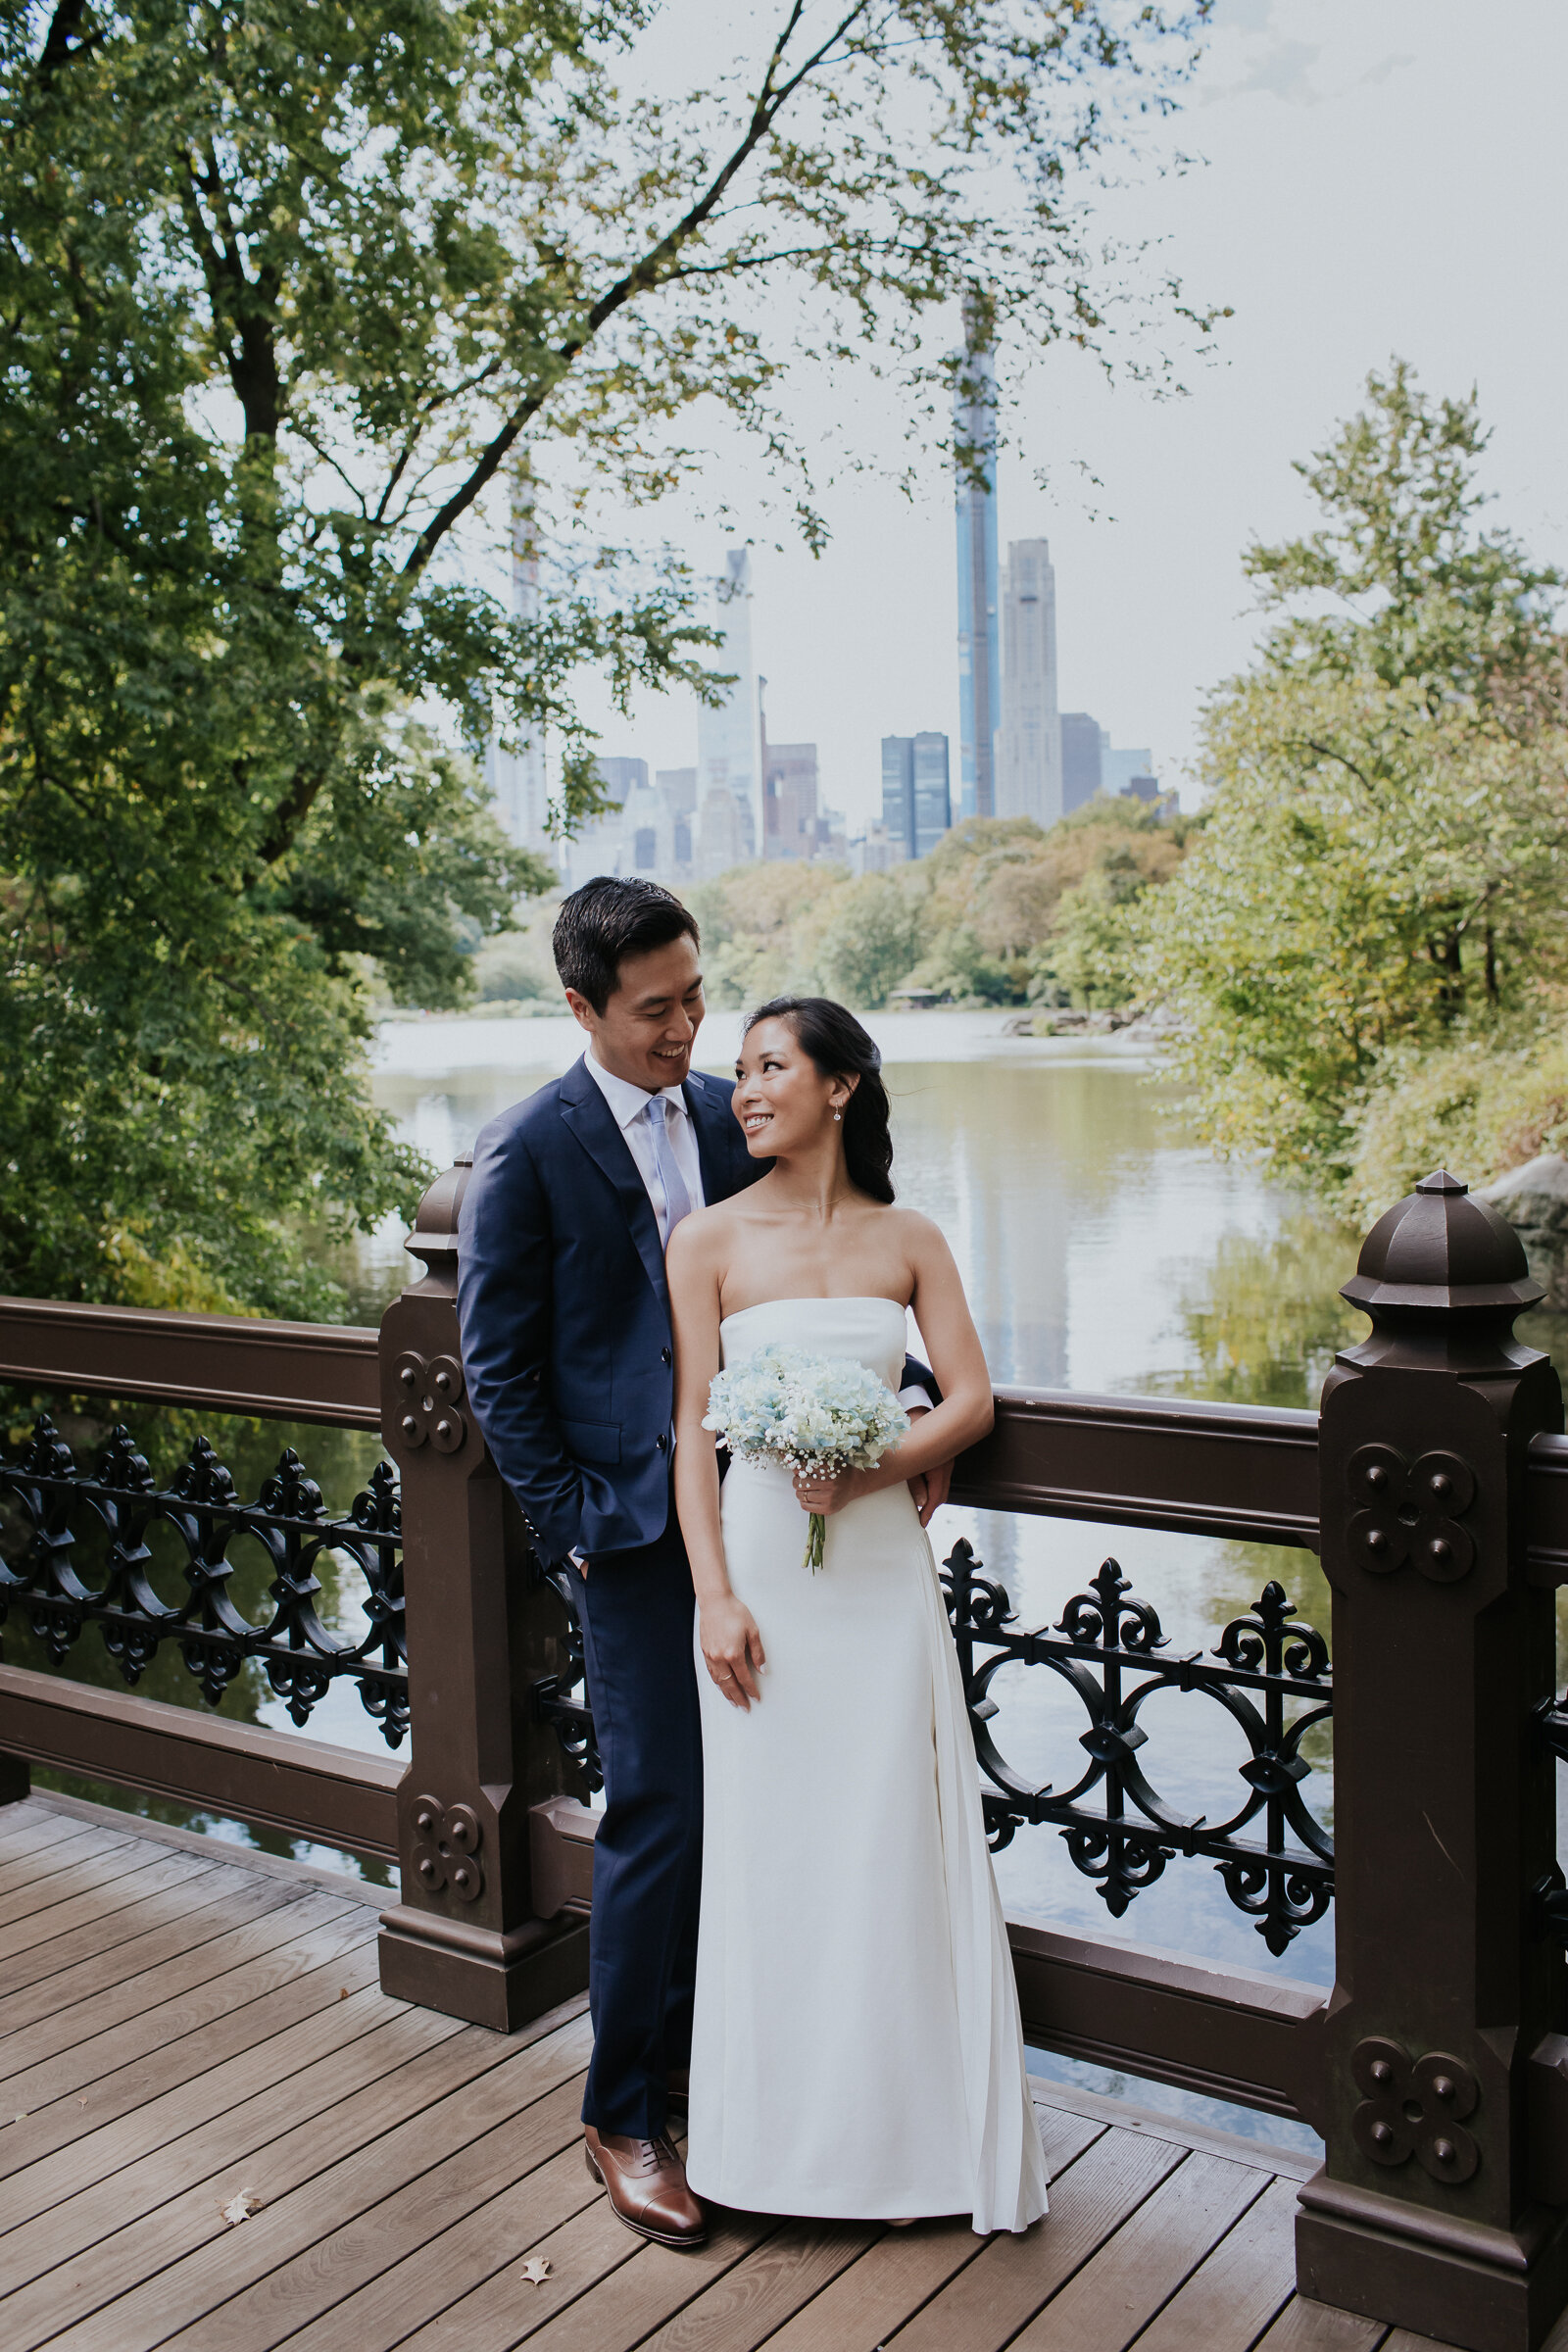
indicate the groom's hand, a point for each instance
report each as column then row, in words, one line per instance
column 929, row 1488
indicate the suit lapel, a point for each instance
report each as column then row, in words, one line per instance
column 590, row 1119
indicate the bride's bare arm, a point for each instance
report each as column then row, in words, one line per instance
column 732, row 1647
column 958, row 1359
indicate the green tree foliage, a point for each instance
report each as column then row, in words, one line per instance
column 979, row 920
column 1380, row 877
column 311, row 311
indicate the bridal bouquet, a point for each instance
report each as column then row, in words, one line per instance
column 823, row 1413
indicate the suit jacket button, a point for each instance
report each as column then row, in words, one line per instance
column 662, row 1442
column 664, row 1356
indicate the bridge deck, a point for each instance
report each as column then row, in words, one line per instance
column 188, row 2028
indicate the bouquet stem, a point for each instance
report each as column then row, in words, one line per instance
column 816, row 1540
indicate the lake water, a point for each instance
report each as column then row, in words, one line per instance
column 1104, row 1250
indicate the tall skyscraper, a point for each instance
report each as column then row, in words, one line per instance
column 974, row 425
column 933, row 800
column 1029, row 739
column 516, row 778
column 916, row 806
column 679, row 788
column 789, row 800
column 898, row 794
column 1081, row 771
column 727, row 758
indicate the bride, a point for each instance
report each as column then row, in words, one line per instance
column 856, row 2049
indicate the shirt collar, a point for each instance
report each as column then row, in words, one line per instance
column 627, row 1101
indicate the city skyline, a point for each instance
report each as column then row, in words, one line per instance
column 1150, row 482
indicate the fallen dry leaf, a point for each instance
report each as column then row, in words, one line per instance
column 536, row 2270
column 344, row 1994
column 240, row 2208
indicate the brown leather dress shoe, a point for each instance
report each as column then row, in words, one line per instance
column 645, row 2182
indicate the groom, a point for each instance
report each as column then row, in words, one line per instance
column 567, row 1355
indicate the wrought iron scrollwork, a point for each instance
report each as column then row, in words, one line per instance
column 1107, row 1646
column 562, row 1700
column 301, row 1657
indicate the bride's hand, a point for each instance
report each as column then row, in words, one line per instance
column 732, row 1649
column 825, row 1496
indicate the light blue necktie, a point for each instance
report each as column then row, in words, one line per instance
column 677, row 1199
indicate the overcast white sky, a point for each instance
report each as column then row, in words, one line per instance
column 1381, row 177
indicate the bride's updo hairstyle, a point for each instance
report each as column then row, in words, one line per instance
column 841, row 1048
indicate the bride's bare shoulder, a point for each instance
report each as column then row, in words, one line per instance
column 914, row 1228
column 701, row 1239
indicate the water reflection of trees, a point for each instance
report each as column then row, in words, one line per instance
column 340, row 1460
column 1264, row 1319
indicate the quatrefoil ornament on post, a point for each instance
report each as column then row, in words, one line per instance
column 1411, row 1512
column 431, row 1392
column 1415, row 2110
column 444, row 1857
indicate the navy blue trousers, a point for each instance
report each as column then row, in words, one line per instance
column 636, row 1609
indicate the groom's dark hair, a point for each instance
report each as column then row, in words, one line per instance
column 608, row 920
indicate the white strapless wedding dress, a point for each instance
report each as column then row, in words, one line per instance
column 857, row 2050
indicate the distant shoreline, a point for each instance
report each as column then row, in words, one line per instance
column 435, row 1044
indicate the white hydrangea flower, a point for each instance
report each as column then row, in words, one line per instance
column 823, row 1413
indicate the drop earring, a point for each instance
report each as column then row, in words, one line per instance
column 838, row 1114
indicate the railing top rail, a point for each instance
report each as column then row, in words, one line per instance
column 229, row 1363
column 1186, row 1464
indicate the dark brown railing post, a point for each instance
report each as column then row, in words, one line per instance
column 465, row 1938
column 1426, row 2212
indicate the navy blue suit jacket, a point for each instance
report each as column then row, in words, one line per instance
column 565, row 1310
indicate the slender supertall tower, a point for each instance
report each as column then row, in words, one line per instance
column 1029, row 737
column 729, row 780
column 516, row 778
column 974, row 435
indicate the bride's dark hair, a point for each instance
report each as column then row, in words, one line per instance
column 841, row 1048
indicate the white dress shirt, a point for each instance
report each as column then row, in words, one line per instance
column 628, row 1107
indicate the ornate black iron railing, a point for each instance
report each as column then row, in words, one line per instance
column 52, row 1501
column 556, row 1699
column 1272, row 1678
column 1107, row 1647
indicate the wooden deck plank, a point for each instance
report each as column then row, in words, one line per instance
column 906, row 2267
column 1151, row 2255
column 45, row 1856
column 506, row 2308
column 643, row 2293
column 1306, row 2327
column 272, row 2156
column 185, row 2262
column 88, row 1889
column 1232, row 2298
column 402, row 2222
column 224, row 2017
column 143, row 1911
column 109, row 2030
column 27, row 1942
column 1013, row 2278
column 213, row 1910
column 1406, row 2339
column 353, row 2006
column 750, row 2302
column 21, row 1819
column 224, row 1934
column 400, row 2294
